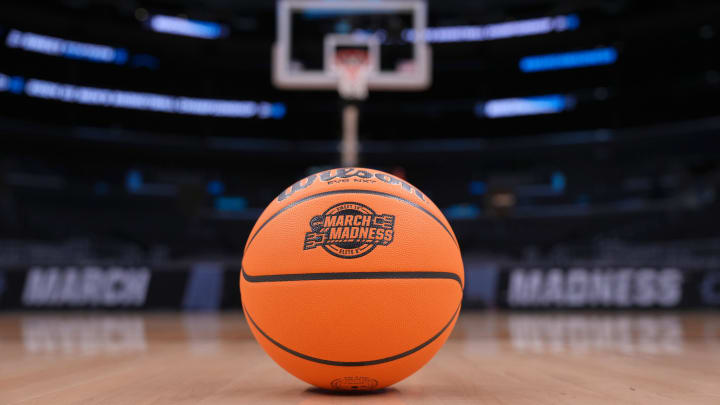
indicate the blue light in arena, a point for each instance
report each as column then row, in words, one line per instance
column 16, row 85
column 462, row 211
column 230, row 204
column 215, row 187
column 278, row 111
column 133, row 181
column 190, row 28
column 572, row 22
column 569, row 60
column 342, row 27
column 513, row 107
column 121, row 56
column 558, row 182
column 4, row 82
column 47, row 45
column 478, row 187
column 496, row 31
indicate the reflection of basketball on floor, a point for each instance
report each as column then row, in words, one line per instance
column 352, row 279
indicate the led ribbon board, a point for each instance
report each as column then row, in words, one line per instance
column 53, row 46
column 569, row 60
column 190, row 28
column 513, row 107
column 496, row 31
column 94, row 96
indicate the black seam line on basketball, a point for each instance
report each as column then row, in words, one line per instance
column 353, row 363
column 378, row 193
column 370, row 275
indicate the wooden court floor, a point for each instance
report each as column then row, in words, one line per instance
column 491, row 358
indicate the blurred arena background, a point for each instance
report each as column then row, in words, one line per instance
column 573, row 145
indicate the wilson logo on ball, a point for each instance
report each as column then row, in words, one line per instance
column 349, row 230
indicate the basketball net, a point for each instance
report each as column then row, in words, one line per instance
column 353, row 68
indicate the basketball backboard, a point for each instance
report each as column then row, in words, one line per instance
column 310, row 33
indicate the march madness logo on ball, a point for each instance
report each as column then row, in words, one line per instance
column 349, row 230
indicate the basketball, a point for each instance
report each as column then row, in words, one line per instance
column 351, row 279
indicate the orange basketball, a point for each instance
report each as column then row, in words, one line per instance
column 352, row 279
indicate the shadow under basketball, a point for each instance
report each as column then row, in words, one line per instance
column 320, row 396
